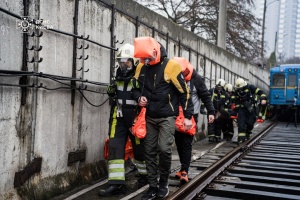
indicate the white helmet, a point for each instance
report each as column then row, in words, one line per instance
column 220, row 83
column 126, row 52
column 240, row 83
column 228, row 87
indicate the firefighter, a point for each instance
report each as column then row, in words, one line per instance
column 246, row 107
column 220, row 101
column 198, row 92
column 123, row 112
column 229, row 122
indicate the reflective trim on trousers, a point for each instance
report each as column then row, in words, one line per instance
column 141, row 166
column 116, row 169
column 242, row 134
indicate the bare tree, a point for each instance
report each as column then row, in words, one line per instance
column 201, row 17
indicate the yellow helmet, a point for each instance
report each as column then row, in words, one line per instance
column 240, row 83
column 228, row 87
column 220, row 83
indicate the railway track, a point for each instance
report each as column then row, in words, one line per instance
column 265, row 167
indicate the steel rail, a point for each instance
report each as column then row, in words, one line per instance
column 197, row 184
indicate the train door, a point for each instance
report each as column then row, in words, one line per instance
column 291, row 87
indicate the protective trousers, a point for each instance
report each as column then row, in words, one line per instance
column 184, row 147
column 119, row 132
column 246, row 121
column 158, row 141
column 215, row 129
column 228, row 129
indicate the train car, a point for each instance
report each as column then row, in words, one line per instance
column 284, row 94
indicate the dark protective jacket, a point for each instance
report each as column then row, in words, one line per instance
column 164, row 87
column 247, row 96
column 220, row 99
column 121, row 90
column 200, row 91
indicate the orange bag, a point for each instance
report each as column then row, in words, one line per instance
column 128, row 149
column 179, row 124
column 187, row 67
column 139, row 127
column 106, row 149
column 147, row 48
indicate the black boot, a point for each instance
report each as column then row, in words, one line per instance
column 113, row 190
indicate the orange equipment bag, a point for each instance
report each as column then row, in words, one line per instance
column 128, row 149
column 180, row 122
column 187, row 67
column 139, row 127
column 147, row 48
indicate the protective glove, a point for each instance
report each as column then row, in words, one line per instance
column 202, row 110
column 112, row 89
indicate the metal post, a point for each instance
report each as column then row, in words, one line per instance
column 263, row 34
column 221, row 42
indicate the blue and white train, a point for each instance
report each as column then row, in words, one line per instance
column 284, row 94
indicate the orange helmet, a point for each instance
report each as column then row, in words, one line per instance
column 187, row 67
column 147, row 49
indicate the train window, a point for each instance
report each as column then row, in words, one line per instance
column 278, row 80
column 292, row 80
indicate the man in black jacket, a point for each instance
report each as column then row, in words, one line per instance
column 158, row 84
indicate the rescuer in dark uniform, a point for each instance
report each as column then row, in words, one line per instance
column 245, row 105
column 123, row 112
column 220, row 101
column 229, row 122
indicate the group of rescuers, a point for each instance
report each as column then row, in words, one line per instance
column 162, row 85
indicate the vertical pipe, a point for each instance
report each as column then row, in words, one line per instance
column 179, row 48
column 210, row 73
column 137, row 26
column 204, row 67
column 75, row 31
column 24, row 79
column 190, row 54
column 153, row 31
column 197, row 65
column 216, row 67
column 112, row 41
column 167, row 43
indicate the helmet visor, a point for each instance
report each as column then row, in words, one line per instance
column 125, row 63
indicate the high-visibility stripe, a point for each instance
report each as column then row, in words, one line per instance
column 113, row 124
column 116, row 161
column 137, row 141
column 116, row 166
column 131, row 102
column 121, row 87
column 257, row 90
column 241, row 134
column 141, row 166
column 116, row 170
